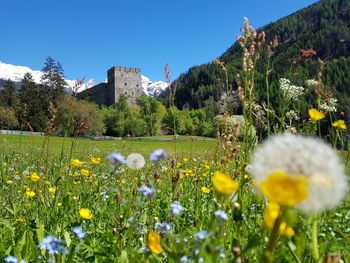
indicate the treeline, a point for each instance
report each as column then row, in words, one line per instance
column 46, row 108
column 324, row 27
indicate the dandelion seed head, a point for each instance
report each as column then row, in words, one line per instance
column 135, row 161
column 297, row 155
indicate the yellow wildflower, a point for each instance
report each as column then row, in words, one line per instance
column 85, row 213
column 30, row 194
column 283, row 189
column 224, row 184
column 84, row 172
column 271, row 213
column 10, row 182
column 77, row 163
column 95, row 160
column 315, row 115
column 47, row 182
column 154, row 243
column 59, row 204
column 185, row 159
column 34, row 177
column 20, row 220
column 75, row 197
column 205, row 190
column 52, row 189
column 340, row 124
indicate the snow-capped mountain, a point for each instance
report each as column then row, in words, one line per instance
column 16, row 74
column 152, row 88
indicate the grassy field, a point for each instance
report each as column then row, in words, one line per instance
column 63, row 204
column 189, row 146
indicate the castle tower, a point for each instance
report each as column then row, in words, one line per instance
column 125, row 81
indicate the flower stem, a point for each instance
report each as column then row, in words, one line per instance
column 315, row 241
column 267, row 257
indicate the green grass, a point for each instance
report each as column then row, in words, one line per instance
column 189, row 146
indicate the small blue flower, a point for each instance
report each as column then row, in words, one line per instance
column 116, row 158
column 201, row 234
column 221, row 215
column 131, row 219
column 185, row 259
column 53, row 245
column 146, row 191
column 11, row 259
column 163, row 228
column 200, row 260
column 105, row 195
column 176, row 208
column 157, row 154
column 79, row 232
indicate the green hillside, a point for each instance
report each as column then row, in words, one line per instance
column 323, row 26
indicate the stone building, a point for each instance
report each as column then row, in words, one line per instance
column 120, row 80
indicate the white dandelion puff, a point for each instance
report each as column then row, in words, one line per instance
column 297, row 155
column 135, row 161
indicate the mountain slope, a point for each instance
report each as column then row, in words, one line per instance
column 323, row 26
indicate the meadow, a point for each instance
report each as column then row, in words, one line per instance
column 63, row 202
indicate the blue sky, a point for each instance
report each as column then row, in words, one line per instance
column 88, row 37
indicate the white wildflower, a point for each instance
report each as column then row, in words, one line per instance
column 329, row 105
column 135, row 161
column 292, row 115
column 290, row 91
column 312, row 82
column 297, row 155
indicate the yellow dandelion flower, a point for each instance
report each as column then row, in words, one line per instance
column 75, row 197
column 30, row 194
column 85, row 213
column 185, row 159
column 34, row 177
column 224, row 184
column 153, row 242
column 52, row 189
column 20, row 220
column 283, row 189
column 77, row 163
column 271, row 213
column 340, row 124
column 85, row 172
column 95, row 160
column 9, row 181
column 59, row 204
column 205, row 190
column 315, row 115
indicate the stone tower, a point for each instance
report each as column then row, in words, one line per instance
column 125, row 81
column 120, row 80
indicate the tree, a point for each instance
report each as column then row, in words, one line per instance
column 8, row 96
column 8, row 118
column 34, row 104
column 151, row 112
column 73, row 115
column 53, row 79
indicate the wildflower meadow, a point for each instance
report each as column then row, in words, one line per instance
column 242, row 197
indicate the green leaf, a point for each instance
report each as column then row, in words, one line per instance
column 67, row 238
